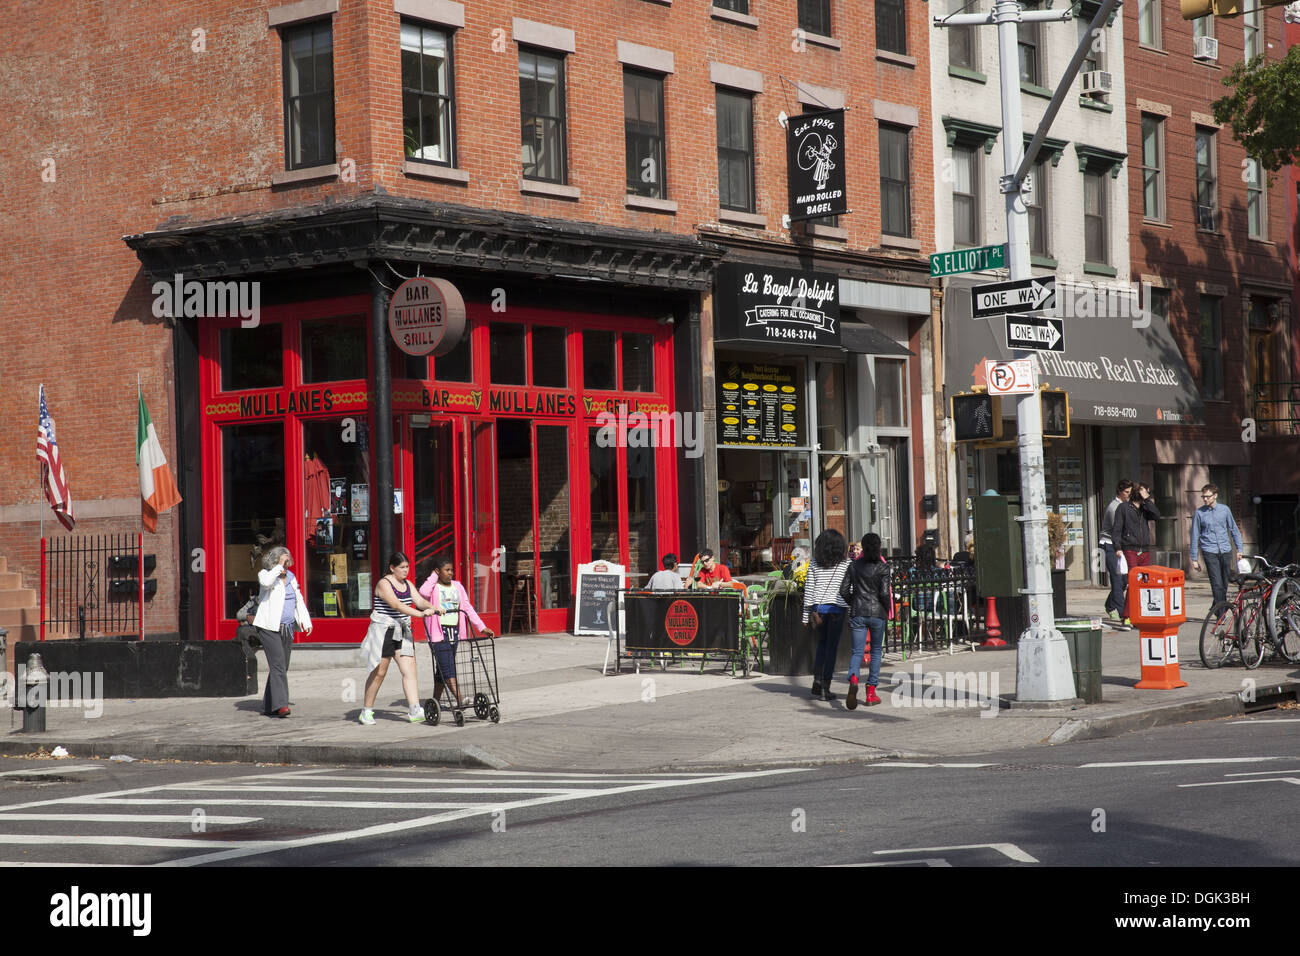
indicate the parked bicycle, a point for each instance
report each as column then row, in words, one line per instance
column 1265, row 612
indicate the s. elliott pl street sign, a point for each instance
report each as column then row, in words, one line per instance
column 968, row 260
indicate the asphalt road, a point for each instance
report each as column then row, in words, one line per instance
column 1206, row 794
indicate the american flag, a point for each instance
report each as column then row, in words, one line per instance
column 52, row 477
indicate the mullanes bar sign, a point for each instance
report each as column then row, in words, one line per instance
column 426, row 316
column 778, row 306
column 815, row 165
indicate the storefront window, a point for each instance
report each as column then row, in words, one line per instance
column 604, row 499
column 642, row 557
column 638, row 362
column 598, row 360
column 455, row 366
column 549, row 360
column 506, row 351
column 333, row 350
column 251, row 358
column 336, row 496
column 252, row 469
column 515, row 515
column 553, row 514
column 830, row 406
column 891, row 393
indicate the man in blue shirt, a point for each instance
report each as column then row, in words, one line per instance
column 1214, row 534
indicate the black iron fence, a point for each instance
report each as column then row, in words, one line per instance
column 92, row 586
column 933, row 608
column 1277, row 408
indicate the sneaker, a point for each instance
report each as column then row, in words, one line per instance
column 851, row 701
column 367, row 717
column 1113, row 615
column 1127, row 622
column 282, row 712
column 416, row 714
column 872, row 697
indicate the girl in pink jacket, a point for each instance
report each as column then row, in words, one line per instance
column 454, row 613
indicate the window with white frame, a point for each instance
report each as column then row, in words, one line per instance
column 1149, row 23
column 965, row 196
column 1095, row 228
column 1207, row 180
column 1256, row 202
column 1153, row 174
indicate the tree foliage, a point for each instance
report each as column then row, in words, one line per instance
column 1263, row 108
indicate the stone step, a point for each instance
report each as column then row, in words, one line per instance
column 10, row 580
column 4, row 563
column 16, row 598
column 19, row 617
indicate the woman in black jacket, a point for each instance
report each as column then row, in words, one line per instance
column 824, row 607
column 866, row 591
column 1131, row 532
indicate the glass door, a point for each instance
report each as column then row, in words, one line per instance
column 483, row 552
column 433, row 514
column 553, row 587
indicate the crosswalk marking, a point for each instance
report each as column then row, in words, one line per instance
column 52, row 771
column 184, row 818
column 1175, row 763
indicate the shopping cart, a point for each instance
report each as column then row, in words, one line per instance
column 476, row 679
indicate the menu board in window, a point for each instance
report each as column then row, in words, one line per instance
column 760, row 405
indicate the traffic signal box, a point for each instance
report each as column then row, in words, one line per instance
column 976, row 416
column 1155, row 606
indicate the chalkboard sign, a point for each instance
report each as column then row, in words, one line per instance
column 598, row 584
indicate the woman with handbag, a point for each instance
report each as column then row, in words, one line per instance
column 390, row 636
column 281, row 611
column 824, row 606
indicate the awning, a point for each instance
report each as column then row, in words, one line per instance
column 1118, row 369
column 868, row 340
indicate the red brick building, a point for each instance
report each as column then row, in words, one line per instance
column 1215, row 239
column 564, row 165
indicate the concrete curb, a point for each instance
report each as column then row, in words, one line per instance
column 359, row 754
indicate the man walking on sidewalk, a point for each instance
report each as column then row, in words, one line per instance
column 1214, row 534
column 1115, row 600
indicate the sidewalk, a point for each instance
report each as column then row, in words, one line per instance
column 559, row 713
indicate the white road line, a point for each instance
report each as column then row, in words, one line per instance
column 248, row 788
column 421, row 822
column 79, row 768
column 54, row 801
column 1261, row 773
column 183, row 818
column 1276, row 720
column 575, row 773
column 1229, row 783
column 960, row 766
column 78, row 865
column 932, row 861
column 232, row 801
column 44, row 839
column 1006, row 849
column 1172, row 763
column 479, row 780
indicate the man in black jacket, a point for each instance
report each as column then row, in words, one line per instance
column 1131, row 532
column 866, row 592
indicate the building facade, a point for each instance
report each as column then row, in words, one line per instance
column 237, row 221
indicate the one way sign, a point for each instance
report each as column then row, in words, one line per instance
column 1013, row 298
column 1035, row 332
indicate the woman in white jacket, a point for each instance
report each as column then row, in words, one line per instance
column 281, row 610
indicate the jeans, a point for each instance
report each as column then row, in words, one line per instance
column 858, row 628
column 1135, row 559
column 828, row 642
column 1218, row 567
column 1115, row 600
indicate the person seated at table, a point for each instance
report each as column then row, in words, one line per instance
column 667, row 579
column 711, row 575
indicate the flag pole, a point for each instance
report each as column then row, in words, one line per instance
column 40, row 476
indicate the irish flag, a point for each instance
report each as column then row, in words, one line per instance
column 158, row 490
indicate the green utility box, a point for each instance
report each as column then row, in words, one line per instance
column 999, row 556
column 1083, row 636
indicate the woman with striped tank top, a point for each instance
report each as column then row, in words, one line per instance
column 824, row 606
column 396, row 603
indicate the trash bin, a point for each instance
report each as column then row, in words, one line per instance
column 1083, row 637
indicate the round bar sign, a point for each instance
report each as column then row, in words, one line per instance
column 426, row 317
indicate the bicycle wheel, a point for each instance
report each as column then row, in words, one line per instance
column 1251, row 636
column 1218, row 635
column 1284, row 618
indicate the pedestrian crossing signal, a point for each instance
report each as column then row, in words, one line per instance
column 976, row 416
column 1056, row 413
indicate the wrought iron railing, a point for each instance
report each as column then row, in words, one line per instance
column 92, row 586
column 1277, row 408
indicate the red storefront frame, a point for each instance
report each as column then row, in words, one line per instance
column 456, row 403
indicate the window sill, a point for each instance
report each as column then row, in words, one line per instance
column 536, row 187
column 1212, row 64
column 285, row 177
column 1156, row 222
column 900, row 242
column 447, row 174
column 826, row 232
column 962, row 73
column 902, row 59
column 818, row 40
column 742, row 19
column 1153, row 49
column 1097, row 269
column 742, row 218
column 649, row 204
column 1088, row 103
column 1033, row 89
column 1261, row 242
column 1045, row 262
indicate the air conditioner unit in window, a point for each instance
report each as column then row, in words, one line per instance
column 1207, row 48
column 1096, row 83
